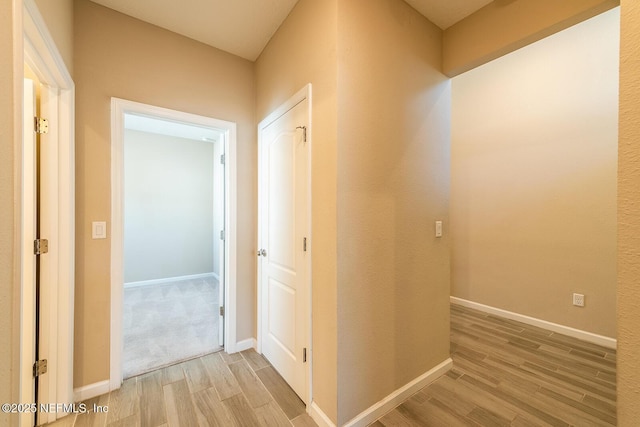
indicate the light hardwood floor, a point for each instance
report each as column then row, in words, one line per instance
column 506, row 373
column 218, row 389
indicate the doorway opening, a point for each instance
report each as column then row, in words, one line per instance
column 173, row 242
column 173, row 231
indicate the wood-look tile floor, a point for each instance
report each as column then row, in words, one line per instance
column 218, row 389
column 506, row 373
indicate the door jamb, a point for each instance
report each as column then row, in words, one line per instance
column 43, row 57
column 301, row 95
column 119, row 107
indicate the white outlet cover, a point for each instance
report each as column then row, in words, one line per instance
column 578, row 300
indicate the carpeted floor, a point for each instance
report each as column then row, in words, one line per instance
column 167, row 323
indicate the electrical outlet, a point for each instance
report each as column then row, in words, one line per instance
column 578, row 300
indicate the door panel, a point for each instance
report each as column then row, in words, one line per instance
column 284, row 263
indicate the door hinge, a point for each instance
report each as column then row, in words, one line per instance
column 40, row 246
column 223, row 159
column 40, row 368
column 304, row 132
column 41, row 125
column 304, row 355
column 304, row 244
column 221, row 310
column 221, row 234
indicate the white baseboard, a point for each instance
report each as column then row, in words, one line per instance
column 168, row 280
column 245, row 344
column 555, row 327
column 319, row 416
column 400, row 395
column 83, row 393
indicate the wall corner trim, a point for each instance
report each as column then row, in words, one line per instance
column 243, row 345
column 555, row 327
column 319, row 416
column 397, row 397
column 83, row 393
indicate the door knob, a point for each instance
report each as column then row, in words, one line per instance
column 262, row 252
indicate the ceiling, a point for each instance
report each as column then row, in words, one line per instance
column 244, row 27
column 170, row 128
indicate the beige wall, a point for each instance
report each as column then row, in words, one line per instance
column 58, row 16
column 533, row 185
column 504, row 26
column 11, row 69
column 393, row 184
column 168, row 206
column 629, row 218
column 303, row 51
column 118, row 56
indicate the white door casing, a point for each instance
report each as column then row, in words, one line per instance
column 57, row 224
column 120, row 107
column 28, row 235
column 218, row 205
column 284, row 254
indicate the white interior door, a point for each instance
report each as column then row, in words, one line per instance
column 284, row 241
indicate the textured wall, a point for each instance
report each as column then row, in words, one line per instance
column 393, row 184
column 629, row 218
column 58, row 16
column 10, row 136
column 505, row 26
column 303, row 51
column 534, row 164
column 118, row 56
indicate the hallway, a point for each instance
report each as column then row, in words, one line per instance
column 505, row 373
column 218, row 389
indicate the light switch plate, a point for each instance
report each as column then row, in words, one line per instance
column 438, row 228
column 99, row 230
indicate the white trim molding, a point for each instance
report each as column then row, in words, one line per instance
column 319, row 416
column 533, row 321
column 400, row 395
column 83, row 393
column 120, row 107
column 243, row 345
column 57, row 219
column 170, row 279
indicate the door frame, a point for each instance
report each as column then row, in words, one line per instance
column 301, row 95
column 120, row 107
column 57, row 223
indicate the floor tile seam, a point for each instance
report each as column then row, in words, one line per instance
column 589, row 376
column 613, row 405
column 508, row 400
column 474, row 390
column 587, row 409
column 580, row 385
column 443, row 407
column 273, row 400
column 568, row 415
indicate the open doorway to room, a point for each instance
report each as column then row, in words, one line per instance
column 173, row 242
column 173, row 231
